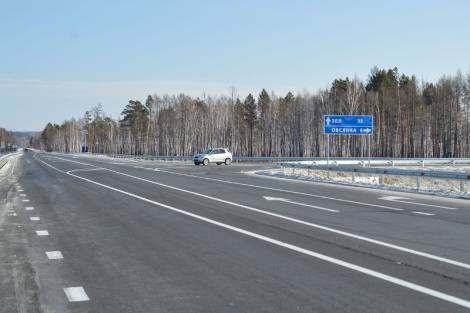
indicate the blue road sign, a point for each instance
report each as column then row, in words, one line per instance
column 348, row 124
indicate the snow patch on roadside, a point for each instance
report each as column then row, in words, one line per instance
column 440, row 187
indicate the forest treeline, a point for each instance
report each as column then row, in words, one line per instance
column 7, row 140
column 411, row 118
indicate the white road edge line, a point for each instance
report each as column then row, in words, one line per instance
column 333, row 230
column 357, row 268
column 86, row 169
column 76, row 294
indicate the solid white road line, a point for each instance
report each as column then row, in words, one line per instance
column 54, row 255
column 29, row 208
column 423, row 213
column 298, row 203
column 357, row 268
column 86, row 169
column 76, row 294
column 291, row 219
column 325, row 228
column 285, row 190
column 42, row 233
column 47, row 164
column 34, row 218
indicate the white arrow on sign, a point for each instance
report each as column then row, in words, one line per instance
column 328, row 120
column 298, row 203
column 402, row 200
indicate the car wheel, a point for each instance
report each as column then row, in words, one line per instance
column 228, row 161
column 218, row 163
column 196, row 163
column 205, row 162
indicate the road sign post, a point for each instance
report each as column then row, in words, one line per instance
column 348, row 125
column 327, row 149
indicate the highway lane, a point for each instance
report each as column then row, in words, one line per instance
column 423, row 233
column 131, row 254
column 224, row 174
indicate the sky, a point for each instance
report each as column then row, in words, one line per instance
column 60, row 58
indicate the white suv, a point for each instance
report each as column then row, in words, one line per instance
column 216, row 155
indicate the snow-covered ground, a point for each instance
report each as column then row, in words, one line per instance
column 7, row 163
column 444, row 187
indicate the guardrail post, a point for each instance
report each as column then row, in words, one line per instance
column 353, row 177
column 418, row 183
column 422, row 163
column 462, row 186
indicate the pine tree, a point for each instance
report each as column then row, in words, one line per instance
column 250, row 118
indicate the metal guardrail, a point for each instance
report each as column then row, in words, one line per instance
column 463, row 177
column 314, row 160
column 384, row 171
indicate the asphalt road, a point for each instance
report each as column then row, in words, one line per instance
column 80, row 234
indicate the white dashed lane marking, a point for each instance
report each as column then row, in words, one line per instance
column 76, row 294
column 423, row 213
column 34, row 218
column 54, row 255
column 25, row 200
column 29, row 208
column 42, row 233
column 22, row 195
